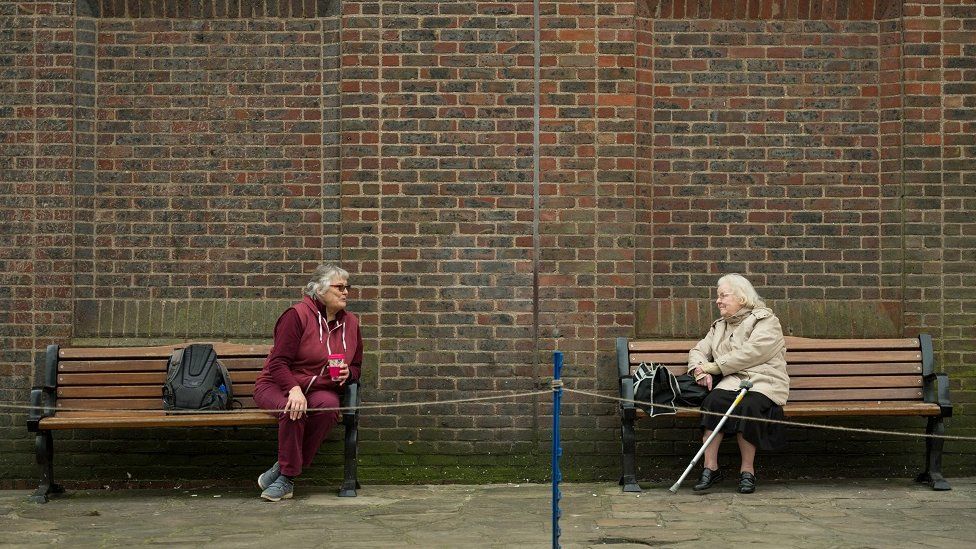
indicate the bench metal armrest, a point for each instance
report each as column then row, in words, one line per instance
column 935, row 389
column 623, row 358
column 625, row 380
column 44, row 397
column 350, row 398
column 41, row 402
column 935, row 385
column 627, row 408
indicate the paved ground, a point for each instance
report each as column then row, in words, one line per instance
column 843, row 513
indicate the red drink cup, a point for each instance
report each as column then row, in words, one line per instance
column 335, row 365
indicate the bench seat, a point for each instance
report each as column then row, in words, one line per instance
column 121, row 388
column 828, row 378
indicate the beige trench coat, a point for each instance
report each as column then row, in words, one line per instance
column 749, row 345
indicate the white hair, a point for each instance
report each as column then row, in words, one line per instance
column 323, row 277
column 742, row 289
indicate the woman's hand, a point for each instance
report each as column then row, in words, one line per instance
column 702, row 378
column 296, row 406
column 343, row 373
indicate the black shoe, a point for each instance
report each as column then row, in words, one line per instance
column 747, row 482
column 708, row 478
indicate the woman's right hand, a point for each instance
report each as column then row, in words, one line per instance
column 702, row 378
column 296, row 406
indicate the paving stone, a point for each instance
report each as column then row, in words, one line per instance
column 876, row 513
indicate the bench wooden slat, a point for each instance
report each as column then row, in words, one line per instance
column 126, row 391
column 680, row 357
column 249, row 363
column 129, row 403
column 854, row 382
column 861, row 408
column 794, row 357
column 112, row 366
column 852, row 356
column 792, row 343
column 156, row 378
column 842, row 409
column 222, row 349
column 852, row 369
column 64, row 420
column 803, row 343
column 149, row 365
column 800, row 395
column 877, row 368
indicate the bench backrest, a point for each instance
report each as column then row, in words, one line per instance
column 133, row 377
column 825, row 370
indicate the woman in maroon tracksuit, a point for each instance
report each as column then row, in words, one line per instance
column 295, row 376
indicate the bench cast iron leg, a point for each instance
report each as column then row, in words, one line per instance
column 933, row 456
column 628, row 456
column 349, row 482
column 44, row 448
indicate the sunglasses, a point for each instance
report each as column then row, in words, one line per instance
column 341, row 287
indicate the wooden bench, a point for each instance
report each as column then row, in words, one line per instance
column 828, row 378
column 110, row 381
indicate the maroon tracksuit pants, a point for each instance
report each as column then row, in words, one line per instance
column 298, row 440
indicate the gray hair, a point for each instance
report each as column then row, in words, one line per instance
column 323, row 277
column 742, row 289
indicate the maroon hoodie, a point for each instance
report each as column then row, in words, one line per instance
column 303, row 340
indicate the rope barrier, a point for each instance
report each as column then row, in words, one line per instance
column 779, row 421
column 553, row 386
column 277, row 411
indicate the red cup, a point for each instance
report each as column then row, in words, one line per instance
column 335, row 365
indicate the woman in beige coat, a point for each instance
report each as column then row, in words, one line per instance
column 746, row 343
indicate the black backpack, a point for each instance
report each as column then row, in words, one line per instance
column 196, row 380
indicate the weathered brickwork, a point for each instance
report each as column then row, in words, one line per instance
column 772, row 10
column 212, row 9
column 209, row 176
column 17, row 145
column 766, row 157
column 170, row 169
column 959, row 200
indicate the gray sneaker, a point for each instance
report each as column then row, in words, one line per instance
column 280, row 489
column 269, row 476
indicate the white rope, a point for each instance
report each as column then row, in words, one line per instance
column 276, row 411
column 554, row 384
column 778, row 421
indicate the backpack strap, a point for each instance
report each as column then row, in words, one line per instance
column 174, row 360
column 227, row 382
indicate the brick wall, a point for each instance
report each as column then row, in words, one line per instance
column 170, row 170
column 958, row 149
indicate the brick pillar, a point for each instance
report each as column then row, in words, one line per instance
column 567, row 266
column 891, row 163
column 437, row 110
column 18, row 127
column 958, row 183
column 922, row 164
column 54, row 88
column 644, row 215
column 616, row 98
column 359, row 178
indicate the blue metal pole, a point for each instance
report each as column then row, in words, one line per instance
column 557, row 452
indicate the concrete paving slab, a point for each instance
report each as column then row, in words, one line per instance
column 881, row 513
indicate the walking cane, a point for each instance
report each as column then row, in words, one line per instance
column 743, row 388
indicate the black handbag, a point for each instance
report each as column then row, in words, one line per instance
column 658, row 391
column 691, row 393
